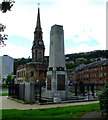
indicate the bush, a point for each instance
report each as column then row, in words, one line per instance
column 4, row 86
column 103, row 98
column 9, row 79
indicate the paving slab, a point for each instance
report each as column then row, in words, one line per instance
column 93, row 115
column 11, row 104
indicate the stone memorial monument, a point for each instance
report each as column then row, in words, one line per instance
column 56, row 83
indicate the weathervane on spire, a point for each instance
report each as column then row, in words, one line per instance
column 38, row 4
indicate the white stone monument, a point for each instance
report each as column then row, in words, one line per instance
column 56, row 83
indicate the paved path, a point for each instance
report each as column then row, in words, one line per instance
column 11, row 104
column 92, row 114
column 3, row 91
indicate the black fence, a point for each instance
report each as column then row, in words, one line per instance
column 39, row 89
column 86, row 89
column 17, row 91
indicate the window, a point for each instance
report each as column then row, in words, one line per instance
column 35, row 54
column 39, row 55
column 32, row 73
column 104, row 73
column 24, row 73
column 105, row 81
column 18, row 74
column 100, row 74
column 100, row 68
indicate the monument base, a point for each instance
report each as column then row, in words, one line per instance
column 56, row 85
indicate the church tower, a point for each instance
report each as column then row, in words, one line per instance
column 38, row 47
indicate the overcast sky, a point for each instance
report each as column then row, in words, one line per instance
column 84, row 24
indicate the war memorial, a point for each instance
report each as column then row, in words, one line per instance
column 56, row 84
column 56, row 88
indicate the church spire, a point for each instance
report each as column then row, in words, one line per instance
column 38, row 47
column 38, row 25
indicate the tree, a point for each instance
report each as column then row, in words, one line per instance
column 103, row 98
column 6, row 5
column 9, row 79
column 2, row 37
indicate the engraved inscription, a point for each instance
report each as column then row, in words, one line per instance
column 60, row 82
column 48, row 82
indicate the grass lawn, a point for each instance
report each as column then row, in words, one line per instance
column 3, row 94
column 66, row 113
column 4, row 88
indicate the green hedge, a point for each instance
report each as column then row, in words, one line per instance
column 103, row 98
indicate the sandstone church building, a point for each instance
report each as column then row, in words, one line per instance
column 37, row 69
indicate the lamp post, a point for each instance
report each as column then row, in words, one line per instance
column 36, row 88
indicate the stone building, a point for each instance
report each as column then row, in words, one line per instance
column 96, row 72
column 35, row 70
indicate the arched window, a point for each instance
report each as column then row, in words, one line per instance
column 39, row 55
column 35, row 54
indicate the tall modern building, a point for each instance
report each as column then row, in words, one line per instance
column 6, row 65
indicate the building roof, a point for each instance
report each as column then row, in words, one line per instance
column 33, row 64
column 92, row 65
column 38, row 25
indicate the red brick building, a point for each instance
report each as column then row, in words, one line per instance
column 96, row 72
column 71, row 76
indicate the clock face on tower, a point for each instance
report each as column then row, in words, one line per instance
column 40, row 42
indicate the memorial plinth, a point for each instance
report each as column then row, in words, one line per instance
column 56, row 83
